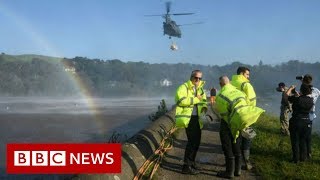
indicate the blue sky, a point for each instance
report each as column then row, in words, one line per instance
column 248, row 31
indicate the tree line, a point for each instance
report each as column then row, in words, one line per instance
column 33, row 75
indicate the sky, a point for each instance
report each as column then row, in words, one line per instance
column 273, row 31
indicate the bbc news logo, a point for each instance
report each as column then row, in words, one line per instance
column 63, row 158
column 58, row 158
column 40, row 158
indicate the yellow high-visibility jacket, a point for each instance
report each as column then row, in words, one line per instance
column 233, row 107
column 243, row 84
column 185, row 100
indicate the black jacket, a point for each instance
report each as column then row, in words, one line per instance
column 301, row 106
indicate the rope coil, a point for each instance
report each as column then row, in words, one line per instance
column 156, row 159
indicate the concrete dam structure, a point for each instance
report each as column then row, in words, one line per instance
column 137, row 149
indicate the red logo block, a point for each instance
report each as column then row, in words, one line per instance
column 63, row 158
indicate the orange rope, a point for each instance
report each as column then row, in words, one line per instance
column 157, row 157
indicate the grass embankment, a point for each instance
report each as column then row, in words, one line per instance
column 271, row 153
column 28, row 58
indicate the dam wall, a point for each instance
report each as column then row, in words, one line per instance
column 137, row 149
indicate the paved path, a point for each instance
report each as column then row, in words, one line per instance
column 210, row 157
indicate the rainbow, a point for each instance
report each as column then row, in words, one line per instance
column 46, row 46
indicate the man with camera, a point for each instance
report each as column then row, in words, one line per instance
column 285, row 109
column 315, row 93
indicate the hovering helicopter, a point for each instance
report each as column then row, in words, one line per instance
column 170, row 27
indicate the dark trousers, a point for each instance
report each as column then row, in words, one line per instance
column 193, row 132
column 309, row 132
column 245, row 144
column 299, row 134
column 230, row 149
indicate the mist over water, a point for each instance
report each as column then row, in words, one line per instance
column 46, row 105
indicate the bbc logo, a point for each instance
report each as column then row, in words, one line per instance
column 63, row 158
column 39, row 158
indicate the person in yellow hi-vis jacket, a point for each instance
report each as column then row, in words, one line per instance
column 191, row 104
column 241, row 82
column 237, row 115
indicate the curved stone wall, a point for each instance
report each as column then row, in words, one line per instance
column 140, row 147
column 137, row 149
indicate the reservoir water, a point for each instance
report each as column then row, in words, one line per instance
column 71, row 120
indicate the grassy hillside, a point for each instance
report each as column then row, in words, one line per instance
column 28, row 57
column 271, row 153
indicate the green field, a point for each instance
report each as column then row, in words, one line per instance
column 271, row 153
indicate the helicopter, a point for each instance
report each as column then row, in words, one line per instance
column 170, row 27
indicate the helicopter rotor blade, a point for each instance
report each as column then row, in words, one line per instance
column 154, row 15
column 168, row 6
column 179, row 14
column 175, row 14
column 190, row 24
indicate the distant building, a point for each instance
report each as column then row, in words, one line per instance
column 165, row 82
column 70, row 69
column 69, row 66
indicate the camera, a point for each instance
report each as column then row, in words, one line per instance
column 299, row 77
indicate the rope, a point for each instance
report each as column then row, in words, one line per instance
column 157, row 157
